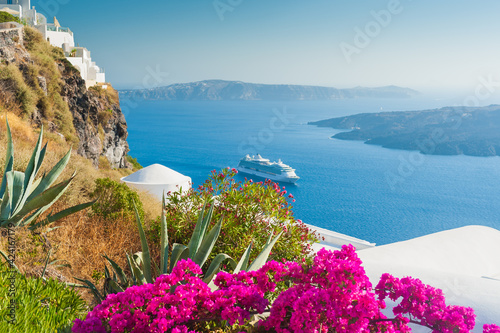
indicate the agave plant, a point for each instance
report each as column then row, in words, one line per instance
column 199, row 249
column 23, row 198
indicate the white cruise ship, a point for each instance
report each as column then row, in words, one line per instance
column 262, row 167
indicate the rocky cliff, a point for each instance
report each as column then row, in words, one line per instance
column 39, row 84
column 98, row 121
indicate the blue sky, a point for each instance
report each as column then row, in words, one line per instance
column 421, row 44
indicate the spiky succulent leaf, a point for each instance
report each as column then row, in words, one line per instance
column 179, row 252
column 214, row 267
column 207, row 245
column 262, row 257
column 93, row 289
column 243, row 263
column 163, row 239
column 44, row 199
column 119, row 271
column 51, row 177
column 9, row 160
column 145, row 248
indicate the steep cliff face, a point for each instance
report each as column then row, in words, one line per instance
column 98, row 121
column 39, row 84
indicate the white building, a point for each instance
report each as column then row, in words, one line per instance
column 158, row 179
column 23, row 10
column 79, row 57
column 57, row 36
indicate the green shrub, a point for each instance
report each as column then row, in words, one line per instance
column 6, row 17
column 251, row 211
column 116, row 200
column 41, row 305
column 134, row 162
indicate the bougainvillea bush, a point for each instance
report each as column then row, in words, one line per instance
column 332, row 294
column 251, row 211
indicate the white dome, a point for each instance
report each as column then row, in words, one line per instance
column 156, row 174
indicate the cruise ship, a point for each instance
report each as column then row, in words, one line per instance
column 262, row 167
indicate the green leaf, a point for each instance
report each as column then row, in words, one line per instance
column 60, row 215
column 179, row 252
column 262, row 257
column 46, row 263
column 9, row 159
column 119, row 271
column 44, row 199
column 207, row 245
column 31, row 169
column 93, row 289
column 243, row 263
column 145, row 248
column 6, row 257
column 129, row 262
column 8, row 168
column 51, row 177
column 139, row 274
column 163, row 239
column 15, row 188
column 199, row 230
column 214, row 267
column 115, row 286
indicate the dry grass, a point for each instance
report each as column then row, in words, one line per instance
column 82, row 238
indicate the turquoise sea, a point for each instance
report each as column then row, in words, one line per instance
column 377, row 194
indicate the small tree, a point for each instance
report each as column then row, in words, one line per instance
column 251, row 212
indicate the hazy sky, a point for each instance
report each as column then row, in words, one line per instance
column 421, row 44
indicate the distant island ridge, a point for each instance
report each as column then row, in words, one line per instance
column 217, row 90
column 473, row 131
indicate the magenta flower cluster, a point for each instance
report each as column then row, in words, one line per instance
column 331, row 294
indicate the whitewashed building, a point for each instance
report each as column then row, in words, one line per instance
column 158, row 179
column 79, row 57
column 23, row 10
column 58, row 36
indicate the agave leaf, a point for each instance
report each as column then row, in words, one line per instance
column 179, row 252
column 40, row 159
column 9, row 159
column 31, row 169
column 129, row 262
column 115, row 286
column 8, row 168
column 207, row 245
column 6, row 257
column 243, row 263
column 51, row 177
column 15, row 188
column 145, row 248
column 46, row 263
column 44, row 199
column 262, row 257
column 163, row 239
column 106, row 272
column 5, row 209
column 119, row 271
column 197, row 237
column 34, row 216
column 93, row 289
column 139, row 274
column 214, row 267
column 52, row 218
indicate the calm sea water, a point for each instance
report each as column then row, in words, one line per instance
column 365, row 191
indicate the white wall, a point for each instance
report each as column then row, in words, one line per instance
column 58, row 38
